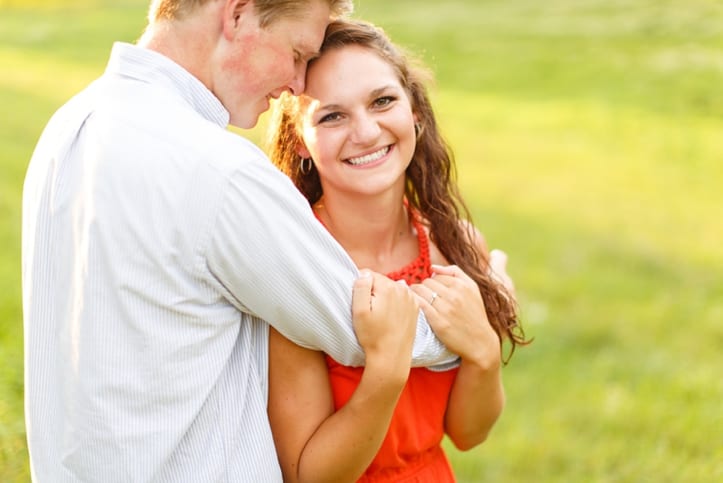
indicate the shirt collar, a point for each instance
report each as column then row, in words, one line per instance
column 150, row 66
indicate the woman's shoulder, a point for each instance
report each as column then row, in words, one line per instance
column 468, row 228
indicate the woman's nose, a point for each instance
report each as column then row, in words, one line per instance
column 366, row 130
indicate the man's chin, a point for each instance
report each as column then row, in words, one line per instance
column 245, row 122
column 249, row 118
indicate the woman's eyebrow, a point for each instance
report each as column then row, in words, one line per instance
column 381, row 90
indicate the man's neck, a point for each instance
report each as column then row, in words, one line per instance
column 189, row 42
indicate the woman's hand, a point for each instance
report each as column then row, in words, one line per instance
column 457, row 315
column 313, row 441
column 455, row 310
column 385, row 314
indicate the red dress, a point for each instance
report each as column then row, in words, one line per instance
column 411, row 450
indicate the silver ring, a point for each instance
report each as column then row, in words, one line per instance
column 434, row 297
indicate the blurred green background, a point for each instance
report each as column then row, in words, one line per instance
column 589, row 141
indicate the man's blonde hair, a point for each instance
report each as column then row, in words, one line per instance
column 268, row 10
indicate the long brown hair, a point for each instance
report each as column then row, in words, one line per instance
column 430, row 188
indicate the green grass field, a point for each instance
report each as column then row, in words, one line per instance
column 589, row 140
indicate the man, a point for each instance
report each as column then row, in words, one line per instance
column 156, row 243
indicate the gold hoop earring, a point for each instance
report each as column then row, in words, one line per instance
column 305, row 165
column 417, row 129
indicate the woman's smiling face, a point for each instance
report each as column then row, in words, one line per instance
column 358, row 124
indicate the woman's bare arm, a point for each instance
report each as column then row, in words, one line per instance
column 313, row 442
column 459, row 319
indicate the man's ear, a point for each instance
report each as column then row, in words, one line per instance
column 235, row 12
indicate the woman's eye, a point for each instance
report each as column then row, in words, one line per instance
column 384, row 101
column 334, row 116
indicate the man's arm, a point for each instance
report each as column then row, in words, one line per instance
column 279, row 263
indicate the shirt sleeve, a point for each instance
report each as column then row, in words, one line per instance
column 278, row 263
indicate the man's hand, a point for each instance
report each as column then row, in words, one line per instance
column 498, row 271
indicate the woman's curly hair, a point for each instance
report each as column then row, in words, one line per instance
column 431, row 188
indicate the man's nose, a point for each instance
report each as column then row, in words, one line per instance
column 298, row 83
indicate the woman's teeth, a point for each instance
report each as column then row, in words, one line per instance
column 368, row 158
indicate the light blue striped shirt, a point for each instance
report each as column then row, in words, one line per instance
column 155, row 243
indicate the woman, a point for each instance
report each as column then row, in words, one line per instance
column 362, row 145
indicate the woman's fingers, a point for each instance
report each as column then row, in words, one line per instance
column 361, row 301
